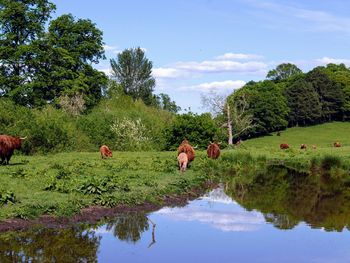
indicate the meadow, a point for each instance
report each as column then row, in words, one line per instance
column 62, row 184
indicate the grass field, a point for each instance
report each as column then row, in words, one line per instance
column 61, row 184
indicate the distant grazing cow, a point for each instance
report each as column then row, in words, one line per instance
column 185, row 147
column 337, row 144
column 7, row 146
column 314, row 146
column 303, row 146
column 284, row 146
column 213, row 151
column 182, row 161
column 105, row 152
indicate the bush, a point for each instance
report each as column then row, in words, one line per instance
column 197, row 129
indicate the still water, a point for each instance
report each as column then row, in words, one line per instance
column 213, row 228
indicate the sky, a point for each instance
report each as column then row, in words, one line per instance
column 203, row 46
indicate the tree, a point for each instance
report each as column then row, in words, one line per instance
column 283, row 72
column 197, row 129
column 165, row 103
column 230, row 112
column 330, row 93
column 267, row 105
column 303, row 101
column 22, row 25
column 65, row 67
column 133, row 71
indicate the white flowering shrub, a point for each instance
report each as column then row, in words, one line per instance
column 131, row 135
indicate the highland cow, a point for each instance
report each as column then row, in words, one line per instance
column 303, row 146
column 105, row 152
column 182, row 160
column 8, row 144
column 213, row 151
column 314, row 146
column 185, row 147
column 284, row 146
column 337, row 144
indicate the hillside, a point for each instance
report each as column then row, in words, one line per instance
column 323, row 135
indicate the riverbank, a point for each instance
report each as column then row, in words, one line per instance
column 73, row 187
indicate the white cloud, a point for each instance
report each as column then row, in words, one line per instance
column 109, row 48
column 167, row 73
column 327, row 60
column 107, row 71
column 223, row 86
column 238, row 56
column 212, row 66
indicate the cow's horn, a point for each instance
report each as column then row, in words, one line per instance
column 23, row 138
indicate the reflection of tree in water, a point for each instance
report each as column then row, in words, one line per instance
column 49, row 245
column 287, row 198
column 129, row 227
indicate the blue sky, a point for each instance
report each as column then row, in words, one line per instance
column 197, row 46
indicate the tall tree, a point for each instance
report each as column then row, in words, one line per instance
column 22, row 25
column 267, row 105
column 165, row 103
column 65, row 68
column 303, row 101
column 330, row 93
column 283, row 72
column 134, row 72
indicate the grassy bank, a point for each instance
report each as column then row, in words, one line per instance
column 62, row 184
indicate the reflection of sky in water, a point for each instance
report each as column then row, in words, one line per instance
column 215, row 229
column 217, row 210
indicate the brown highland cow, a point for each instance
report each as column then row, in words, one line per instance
column 182, row 161
column 8, row 144
column 105, row 152
column 213, row 150
column 284, row 146
column 185, row 147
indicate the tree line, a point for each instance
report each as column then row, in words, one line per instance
column 288, row 97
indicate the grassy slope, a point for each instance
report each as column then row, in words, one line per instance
column 76, row 180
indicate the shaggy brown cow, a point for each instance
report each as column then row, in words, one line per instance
column 185, row 147
column 213, row 150
column 7, row 146
column 105, row 152
column 314, row 146
column 337, row 144
column 284, row 146
column 303, row 146
column 182, row 161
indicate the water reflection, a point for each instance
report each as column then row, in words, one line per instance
column 238, row 222
column 217, row 210
column 49, row 245
column 287, row 198
column 128, row 227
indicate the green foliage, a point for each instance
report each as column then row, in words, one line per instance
column 283, row 72
column 303, row 102
column 199, row 130
column 133, row 71
column 267, row 105
column 7, row 197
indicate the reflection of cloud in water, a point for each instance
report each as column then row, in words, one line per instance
column 218, row 196
column 227, row 217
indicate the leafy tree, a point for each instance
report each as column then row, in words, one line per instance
column 133, row 71
column 303, row 101
column 197, row 129
column 22, row 25
column 330, row 93
column 283, row 72
column 340, row 74
column 65, row 67
column 164, row 102
column 267, row 105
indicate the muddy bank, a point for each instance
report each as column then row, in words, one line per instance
column 93, row 215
